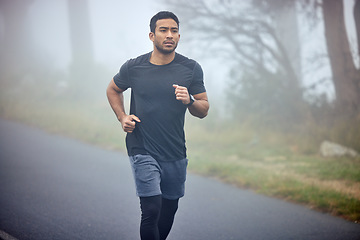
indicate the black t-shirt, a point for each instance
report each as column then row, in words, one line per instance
column 161, row 130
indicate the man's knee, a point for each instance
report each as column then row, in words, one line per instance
column 150, row 208
column 171, row 206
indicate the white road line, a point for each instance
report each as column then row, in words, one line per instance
column 5, row 236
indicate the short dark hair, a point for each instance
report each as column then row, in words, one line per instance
column 162, row 15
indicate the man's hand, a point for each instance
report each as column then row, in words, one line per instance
column 128, row 123
column 182, row 94
column 199, row 108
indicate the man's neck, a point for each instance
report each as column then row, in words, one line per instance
column 158, row 58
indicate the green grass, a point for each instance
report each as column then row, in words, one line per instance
column 267, row 162
column 273, row 179
column 271, row 165
column 331, row 169
column 93, row 123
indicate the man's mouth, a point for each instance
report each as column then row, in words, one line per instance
column 169, row 43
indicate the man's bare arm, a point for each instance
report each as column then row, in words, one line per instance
column 116, row 100
column 199, row 108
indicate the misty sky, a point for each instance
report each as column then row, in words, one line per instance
column 119, row 29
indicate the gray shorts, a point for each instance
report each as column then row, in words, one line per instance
column 159, row 178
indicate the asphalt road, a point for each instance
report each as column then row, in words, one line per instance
column 52, row 187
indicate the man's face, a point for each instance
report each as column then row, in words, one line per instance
column 166, row 35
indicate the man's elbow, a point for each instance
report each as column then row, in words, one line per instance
column 202, row 114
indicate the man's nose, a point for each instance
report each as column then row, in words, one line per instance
column 169, row 34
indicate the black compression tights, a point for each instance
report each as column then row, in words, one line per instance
column 157, row 217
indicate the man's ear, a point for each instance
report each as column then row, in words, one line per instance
column 151, row 36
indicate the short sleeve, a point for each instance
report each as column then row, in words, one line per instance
column 197, row 84
column 121, row 79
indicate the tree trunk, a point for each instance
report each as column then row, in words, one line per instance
column 16, row 43
column 80, row 33
column 357, row 23
column 357, row 29
column 286, row 28
column 345, row 75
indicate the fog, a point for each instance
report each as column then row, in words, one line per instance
column 273, row 99
column 118, row 30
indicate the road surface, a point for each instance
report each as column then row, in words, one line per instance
column 52, row 187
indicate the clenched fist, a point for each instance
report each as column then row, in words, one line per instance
column 182, row 94
column 129, row 122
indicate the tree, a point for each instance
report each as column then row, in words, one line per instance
column 80, row 33
column 346, row 76
column 83, row 69
column 357, row 22
column 16, row 43
column 248, row 35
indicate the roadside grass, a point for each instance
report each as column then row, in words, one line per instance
column 254, row 158
column 269, row 164
column 85, row 121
